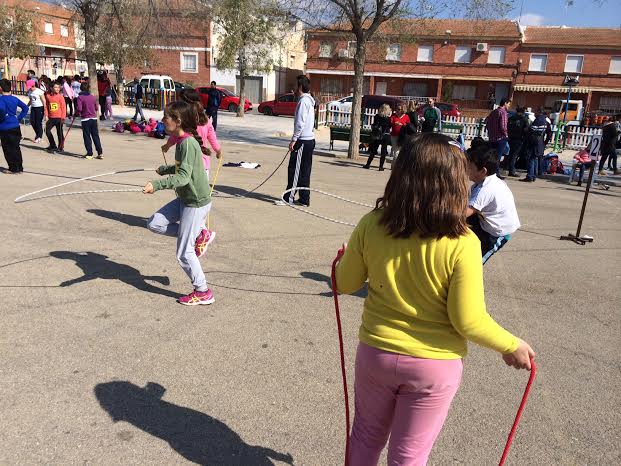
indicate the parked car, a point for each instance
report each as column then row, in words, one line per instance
column 283, row 105
column 179, row 86
column 376, row 101
column 447, row 110
column 341, row 104
column 228, row 100
column 156, row 82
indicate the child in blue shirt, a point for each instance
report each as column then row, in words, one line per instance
column 10, row 133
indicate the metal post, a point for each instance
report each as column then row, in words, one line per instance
column 577, row 238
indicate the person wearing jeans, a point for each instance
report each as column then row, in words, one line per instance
column 87, row 110
column 497, row 130
column 56, row 112
column 36, row 97
column 10, row 132
column 138, row 95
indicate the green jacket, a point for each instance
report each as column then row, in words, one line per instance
column 187, row 175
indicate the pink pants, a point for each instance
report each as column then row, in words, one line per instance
column 405, row 397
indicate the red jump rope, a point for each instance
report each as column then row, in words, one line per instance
column 516, row 422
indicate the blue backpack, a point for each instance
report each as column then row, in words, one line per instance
column 160, row 131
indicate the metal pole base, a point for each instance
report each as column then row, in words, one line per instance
column 581, row 240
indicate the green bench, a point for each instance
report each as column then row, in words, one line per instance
column 452, row 129
column 343, row 133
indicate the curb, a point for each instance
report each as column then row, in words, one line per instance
column 608, row 180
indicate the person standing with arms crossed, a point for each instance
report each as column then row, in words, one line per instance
column 301, row 146
column 213, row 104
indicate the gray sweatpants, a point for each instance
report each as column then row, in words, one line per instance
column 185, row 223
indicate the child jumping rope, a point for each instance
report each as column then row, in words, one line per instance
column 425, row 302
column 184, row 217
column 207, row 133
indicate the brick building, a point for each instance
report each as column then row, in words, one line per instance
column 458, row 60
column 58, row 39
column 548, row 54
column 472, row 62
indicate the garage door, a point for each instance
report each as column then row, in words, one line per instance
column 253, row 89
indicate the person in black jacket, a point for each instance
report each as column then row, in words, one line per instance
column 213, row 104
column 610, row 135
column 380, row 135
column 138, row 96
column 413, row 126
column 517, row 128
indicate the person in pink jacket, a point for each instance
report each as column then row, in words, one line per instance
column 68, row 94
column 206, row 131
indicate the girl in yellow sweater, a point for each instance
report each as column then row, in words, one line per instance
column 425, row 301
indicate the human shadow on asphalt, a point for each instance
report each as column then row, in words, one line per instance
column 127, row 219
column 58, row 154
column 319, row 277
column 96, row 266
column 196, row 436
column 241, row 193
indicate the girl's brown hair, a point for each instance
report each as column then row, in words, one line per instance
column 191, row 96
column 185, row 114
column 427, row 192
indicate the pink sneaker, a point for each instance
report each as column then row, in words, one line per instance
column 197, row 297
column 204, row 239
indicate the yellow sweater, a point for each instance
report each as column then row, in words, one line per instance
column 426, row 295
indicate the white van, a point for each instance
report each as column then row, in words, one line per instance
column 157, row 82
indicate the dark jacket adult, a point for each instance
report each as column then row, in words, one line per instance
column 411, row 128
column 381, row 125
column 610, row 134
column 139, row 91
column 214, row 98
column 517, row 127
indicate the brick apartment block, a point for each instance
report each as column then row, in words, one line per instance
column 474, row 62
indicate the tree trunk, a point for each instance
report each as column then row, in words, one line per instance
column 242, row 84
column 120, row 87
column 356, row 108
column 89, row 44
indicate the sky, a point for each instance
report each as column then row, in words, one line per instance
column 583, row 13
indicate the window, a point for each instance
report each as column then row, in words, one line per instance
column 573, row 63
column 538, row 62
column 425, row 53
column 615, row 65
column 415, row 89
column 64, row 30
column 168, row 84
column 331, row 86
column 49, row 28
column 464, row 92
column 462, row 54
column 189, row 62
column 351, row 48
column 287, row 98
column 496, row 56
column 326, row 50
column 393, row 52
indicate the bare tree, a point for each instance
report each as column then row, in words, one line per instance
column 248, row 30
column 125, row 38
column 365, row 20
column 18, row 33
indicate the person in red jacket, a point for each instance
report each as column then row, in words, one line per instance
column 55, row 112
column 397, row 121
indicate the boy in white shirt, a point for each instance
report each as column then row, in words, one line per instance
column 491, row 213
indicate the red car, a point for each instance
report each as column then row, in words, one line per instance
column 228, row 100
column 447, row 110
column 283, row 105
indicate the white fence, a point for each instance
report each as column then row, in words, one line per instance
column 578, row 137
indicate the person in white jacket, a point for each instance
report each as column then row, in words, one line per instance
column 302, row 144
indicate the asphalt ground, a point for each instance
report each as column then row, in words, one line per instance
column 100, row 365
